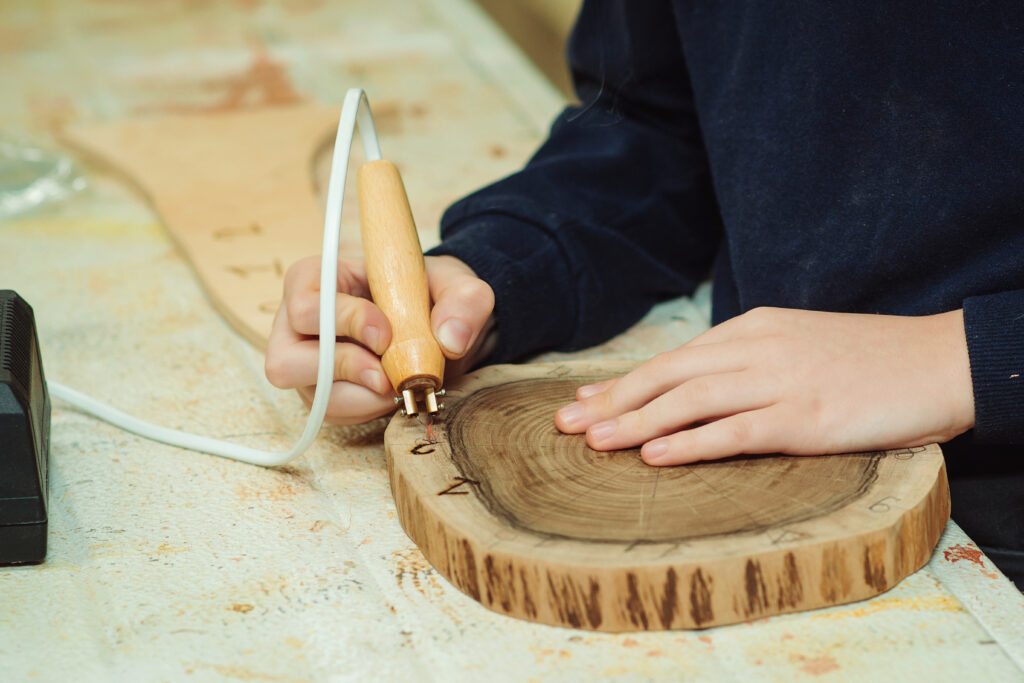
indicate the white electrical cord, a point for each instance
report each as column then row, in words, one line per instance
column 355, row 109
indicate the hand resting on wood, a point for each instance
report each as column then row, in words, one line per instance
column 789, row 381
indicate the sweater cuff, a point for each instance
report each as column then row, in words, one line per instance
column 509, row 252
column 995, row 342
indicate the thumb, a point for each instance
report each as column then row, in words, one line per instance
column 463, row 304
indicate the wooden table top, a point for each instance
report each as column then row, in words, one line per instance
column 168, row 564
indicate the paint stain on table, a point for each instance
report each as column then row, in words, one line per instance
column 265, row 82
column 931, row 603
column 815, row 666
column 969, row 553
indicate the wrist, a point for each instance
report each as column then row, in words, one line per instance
column 952, row 361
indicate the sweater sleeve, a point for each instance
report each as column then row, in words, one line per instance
column 615, row 211
column 995, row 342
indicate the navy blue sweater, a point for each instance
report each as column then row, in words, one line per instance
column 852, row 157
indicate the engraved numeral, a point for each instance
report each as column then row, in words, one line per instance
column 228, row 233
column 452, row 490
column 246, row 271
column 883, row 505
column 907, row 453
column 786, row 536
column 559, row 371
column 675, row 546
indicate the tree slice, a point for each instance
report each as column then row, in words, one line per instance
column 234, row 190
column 534, row 524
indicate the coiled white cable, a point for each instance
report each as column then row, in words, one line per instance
column 356, row 109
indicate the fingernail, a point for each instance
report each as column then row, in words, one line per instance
column 371, row 337
column 373, row 379
column 571, row 414
column 454, row 336
column 602, row 430
column 654, row 451
column 589, row 390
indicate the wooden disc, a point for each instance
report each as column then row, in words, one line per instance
column 534, row 524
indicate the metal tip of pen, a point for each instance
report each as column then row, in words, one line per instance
column 409, row 406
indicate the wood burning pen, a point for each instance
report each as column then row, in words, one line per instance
column 397, row 275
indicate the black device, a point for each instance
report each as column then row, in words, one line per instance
column 24, row 435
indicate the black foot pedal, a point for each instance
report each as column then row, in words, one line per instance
column 24, row 435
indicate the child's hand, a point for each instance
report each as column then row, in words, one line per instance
column 460, row 319
column 789, row 381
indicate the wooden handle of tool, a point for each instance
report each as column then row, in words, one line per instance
column 398, row 278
